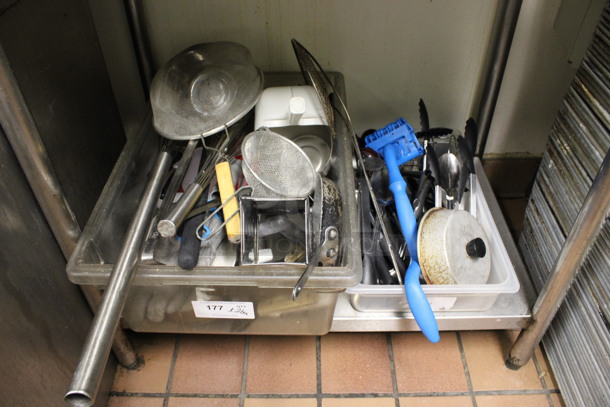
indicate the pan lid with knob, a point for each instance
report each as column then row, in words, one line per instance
column 452, row 248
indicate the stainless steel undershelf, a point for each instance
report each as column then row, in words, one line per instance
column 510, row 311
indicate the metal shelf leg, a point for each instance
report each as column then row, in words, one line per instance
column 593, row 213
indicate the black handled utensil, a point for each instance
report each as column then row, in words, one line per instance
column 433, row 164
column 471, row 134
column 369, row 276
column 467, row 164
column 426, row 132
column 423, row 116
column 190, row 245
column 425, row 184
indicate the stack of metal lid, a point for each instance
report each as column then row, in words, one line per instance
column 578, row 341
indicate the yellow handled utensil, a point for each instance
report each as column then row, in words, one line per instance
column 230, row 207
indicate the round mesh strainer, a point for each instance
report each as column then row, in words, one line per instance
column 276, row 167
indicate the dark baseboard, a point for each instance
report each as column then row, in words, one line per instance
column 511, row 177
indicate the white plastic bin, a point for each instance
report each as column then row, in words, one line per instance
column 458, row 297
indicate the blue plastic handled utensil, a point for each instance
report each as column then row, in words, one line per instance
column 398, row 144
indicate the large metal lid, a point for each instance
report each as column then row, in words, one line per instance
column 204, row 88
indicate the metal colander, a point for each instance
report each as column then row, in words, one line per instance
column 203, row 89
column 276, row 167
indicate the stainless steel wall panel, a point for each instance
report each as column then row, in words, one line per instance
column 52, row 52
column 55, row 56
column 44, row 317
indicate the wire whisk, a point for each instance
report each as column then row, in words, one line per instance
column 225, row 146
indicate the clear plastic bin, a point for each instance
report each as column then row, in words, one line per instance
column 162, row 298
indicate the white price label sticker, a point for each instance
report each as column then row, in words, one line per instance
column 442, row 303
column 223, row 309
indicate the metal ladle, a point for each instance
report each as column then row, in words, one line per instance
column 450, row 168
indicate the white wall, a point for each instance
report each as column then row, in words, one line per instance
column 392, row 52
column 110, row 21
column 549, row 43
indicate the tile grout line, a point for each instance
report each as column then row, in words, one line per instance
column 510, row 392
column 135, row 394
column 318, row 371
column 326, row 396
column 242, row 394
column 335, row 395
column 393, row 368
column 542, row 381
column 170, row 377
column 466, row 371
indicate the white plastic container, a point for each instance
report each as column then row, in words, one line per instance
column 296, row 113
column 472, row 297
column 286, row 106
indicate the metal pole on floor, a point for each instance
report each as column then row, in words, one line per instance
column 86, row 380
column 593, row 213
column 26, row 142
